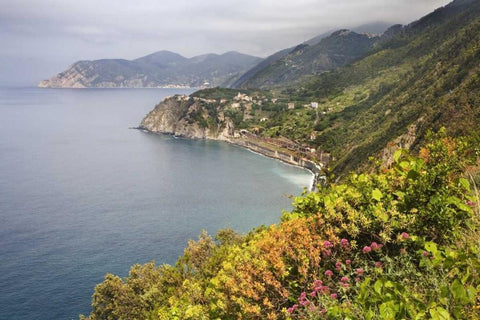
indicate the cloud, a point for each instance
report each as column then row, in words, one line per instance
column 91, row 29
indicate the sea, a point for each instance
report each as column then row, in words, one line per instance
column 82, row 194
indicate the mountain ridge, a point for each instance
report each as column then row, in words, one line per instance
column 159, row 69
column 288, row 66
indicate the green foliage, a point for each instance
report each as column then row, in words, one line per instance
column 398, row 243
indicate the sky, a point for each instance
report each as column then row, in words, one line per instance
column 40, row 38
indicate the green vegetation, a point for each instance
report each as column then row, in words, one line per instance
column 424, row 78
column 398, row 243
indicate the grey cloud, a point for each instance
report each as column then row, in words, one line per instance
column 59, row 30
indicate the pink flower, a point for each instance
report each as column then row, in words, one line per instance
column 425, row 253
column 345, row 243
column 347, row 262
column 327, row 244
column 367, row 249
column 470, row 203
column 333, row 296
column 323, row 289
column 328, row 273
column 317, row 283
column 344, row 279
column 303, row 296
column 327, row 253
column 344, row 284
column 378, row 264
column 338, row 266
column 292, row 308
column 405, row 235
column 359, row 271
column 375, row 246
column 304, row 302
column 313, row 293
column 357, row 279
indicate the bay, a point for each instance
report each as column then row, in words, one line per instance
column 81, row 194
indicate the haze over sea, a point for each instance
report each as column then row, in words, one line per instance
column 82, row 195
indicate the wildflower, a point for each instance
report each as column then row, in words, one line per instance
column 292, row 308
column 375, row 246
column 359, row 271
column 327, row 253
column 348, row 261
column 344, row 279
column 470, row 203
column 323, row 310
column 367, row 249
column 425, row 253
column 304, row 303
column 403, row 251
column 327, row 244
column 333, row 296
column 303, row 299
column 345, row 244
column 357, row 279
column 378, row 264
column 317, row 283
column 323, row 289
column 344, row 284
column 328, row 273
column 313, row 293
column 405, row 235
column 338, row 266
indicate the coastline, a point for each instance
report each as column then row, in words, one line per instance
column 314, row 168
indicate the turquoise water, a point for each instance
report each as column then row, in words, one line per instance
column 82, row 195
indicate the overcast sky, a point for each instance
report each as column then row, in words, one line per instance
column 39, row 38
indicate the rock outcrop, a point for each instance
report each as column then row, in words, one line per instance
column 186, row 117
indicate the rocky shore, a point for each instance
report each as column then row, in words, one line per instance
column 182, row 116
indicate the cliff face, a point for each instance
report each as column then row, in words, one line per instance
column 187, row 117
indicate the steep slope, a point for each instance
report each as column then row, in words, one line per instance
column 425, row 77
column 267, row 62
column 340, row 48
column 159, row 69
column 419, row 77
column 372, row 28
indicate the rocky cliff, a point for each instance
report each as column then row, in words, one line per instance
column 188, row 117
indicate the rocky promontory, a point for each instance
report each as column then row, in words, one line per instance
column 197, row 117
column 188, row 117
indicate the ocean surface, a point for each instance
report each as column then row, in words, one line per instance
column 81, row 194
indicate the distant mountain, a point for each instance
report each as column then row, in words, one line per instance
column 159, row 69
column 315, row 56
